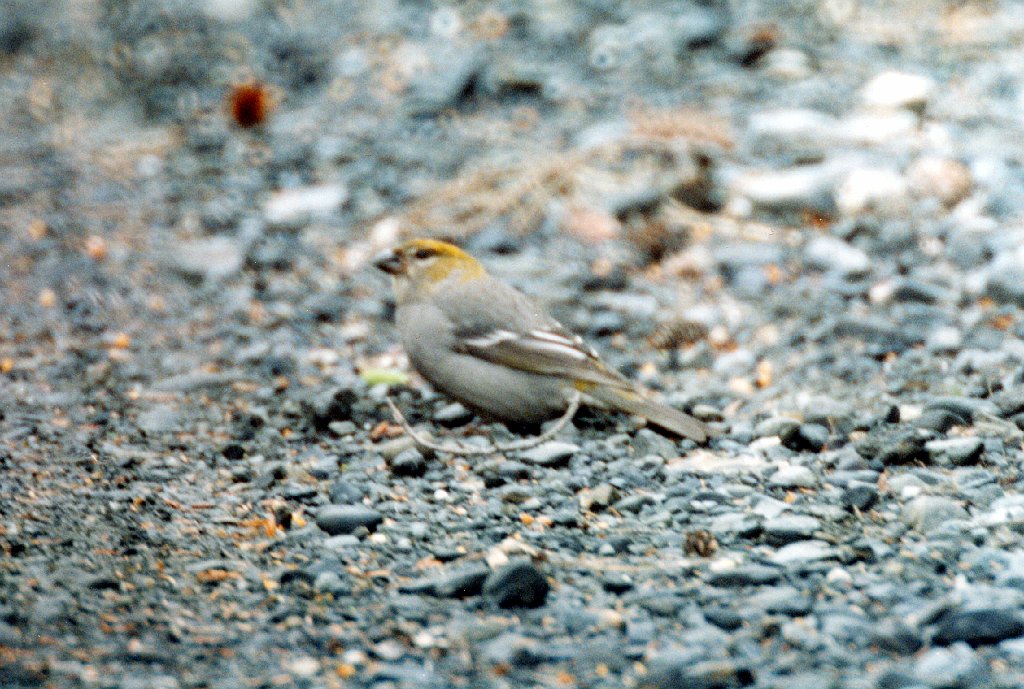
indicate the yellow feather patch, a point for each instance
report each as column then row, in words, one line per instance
column 448, row 259
column 584, row 385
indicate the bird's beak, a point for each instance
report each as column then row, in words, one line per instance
column 389, row 262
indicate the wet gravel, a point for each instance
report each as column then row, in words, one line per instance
column 799, row 221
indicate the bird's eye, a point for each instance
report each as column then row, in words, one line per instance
column 421, row 254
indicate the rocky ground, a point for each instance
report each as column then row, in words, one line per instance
column 800, row 221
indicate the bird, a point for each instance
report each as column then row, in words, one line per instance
column 484, row 343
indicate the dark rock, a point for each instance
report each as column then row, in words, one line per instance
column 726, row 618
column 896, row 637
column 333, row 405
column 787, row 528
column 683, row 672
column 1007, row 286
column 978, row 627
column 517, row 585
column 1010, row 402
column 806, row 437
column 860, row 496
column 410, row 463
column 457, row 583
column 894, row 445
column 964, row 407
column 615, row 583
column 938, row 420
column 300, row 492
column 910, row 289
column 747, row 575
column 344, row 519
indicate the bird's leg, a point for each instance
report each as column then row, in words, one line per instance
column 466, row 451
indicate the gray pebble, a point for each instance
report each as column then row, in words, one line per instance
column 925, row 512
column 803, row 552
column 788, row 528
column 955, row 451
column 552, row 454
column 517, row 585
column 793, row 476
column 344, row 519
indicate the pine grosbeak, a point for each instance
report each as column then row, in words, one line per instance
column 492, row 348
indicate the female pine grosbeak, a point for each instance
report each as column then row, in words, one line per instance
column 489, row 346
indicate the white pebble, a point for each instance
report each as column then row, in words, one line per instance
column 869, row 188
column 898, row 90
column 296, row 206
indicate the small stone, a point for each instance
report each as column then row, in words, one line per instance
column 894, row 446
column 793, row 476
column 552, row 454
column 340, row 543
column 748, row 575
column 331, row 582
column 296, row 207
column 955, row 451
column 917, row 291
column 329, row 406
column 648, row 442
column 789, row 130
column 876, row 331
column 210, row 259
column 926, row 512
column 944, row 339
column 461, row 583
column 777, row 425
column 160, row 419
column 453, row 415
column 808, row 186
column 1006, row 284
column 938, row 420
column 680, row 670
column 303, row 666
column 806, row 437
column 878, row 127
column 409, row 463
column 344, row 519
column 598, row 498
column 896, row 637
column 789, row 528
column 835, row 255
column 389, row 449
column 803, row 552
column 517, row 585
column 342, row 428
column 947, row 180
column 979, row 627
column 452, row 71
column 735, row 524
column 892, row 89
column 955, row 666
column 868, row 188
column 860, row 496
column 343, row 492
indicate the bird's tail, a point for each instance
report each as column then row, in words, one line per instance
column 663, row 416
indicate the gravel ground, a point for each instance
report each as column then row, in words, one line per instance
column 802, row 222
